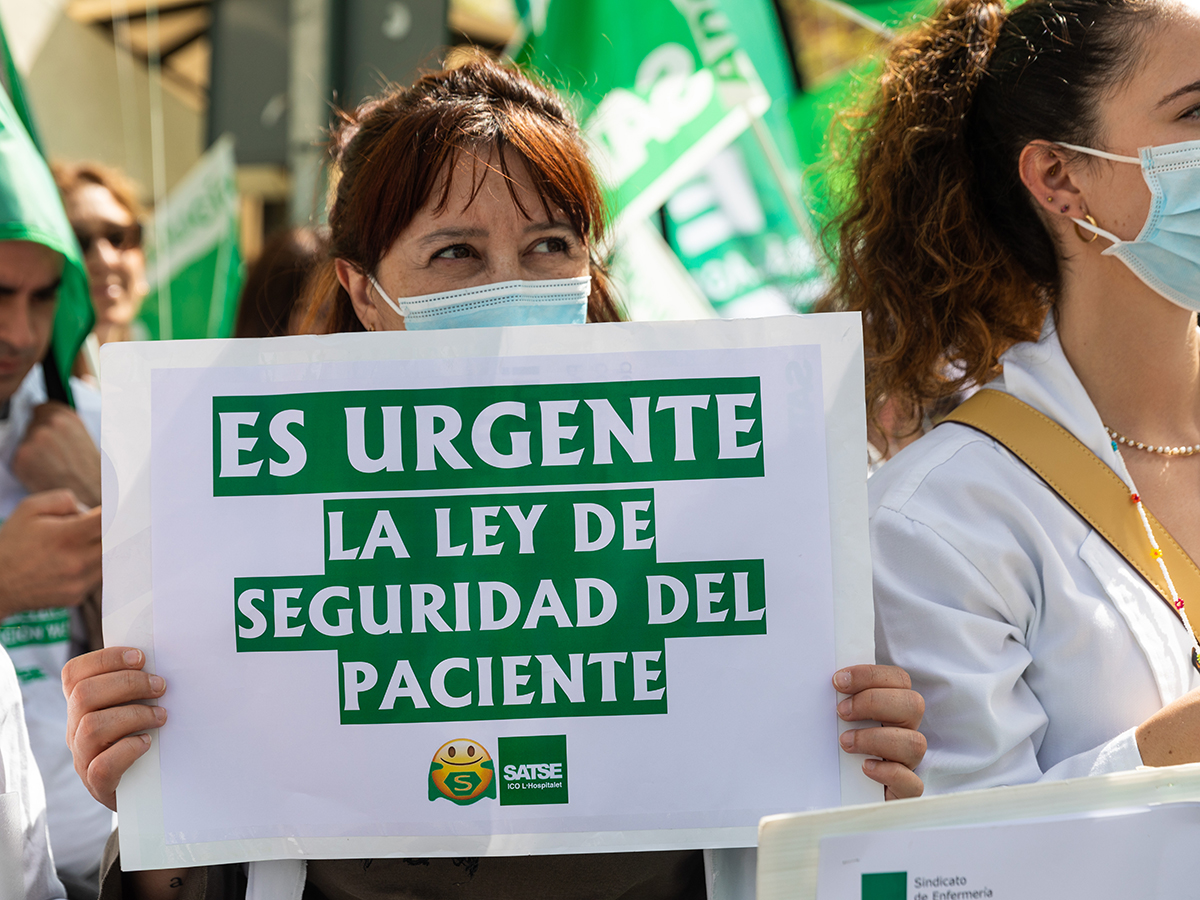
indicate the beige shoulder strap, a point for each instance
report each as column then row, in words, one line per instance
column 1082, row 479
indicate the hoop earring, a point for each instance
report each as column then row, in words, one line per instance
column 1091, row 234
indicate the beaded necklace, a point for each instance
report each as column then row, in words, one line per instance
column 1119, row 438
column 1156, row 552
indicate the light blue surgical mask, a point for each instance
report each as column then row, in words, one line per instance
column 559, row 302
column 1166, row 253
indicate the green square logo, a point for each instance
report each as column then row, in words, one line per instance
column 533, row 770
column 885, row 886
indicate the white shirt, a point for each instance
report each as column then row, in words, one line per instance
column 19, row 775
column 40, row 643
column 1037, row 647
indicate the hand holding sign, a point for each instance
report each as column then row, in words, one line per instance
column 105, row 691
column 884, row 694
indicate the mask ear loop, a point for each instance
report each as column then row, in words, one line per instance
column 1087, row 222
column 1103, row 154
column 386, row 299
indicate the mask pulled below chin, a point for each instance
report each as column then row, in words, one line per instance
column 558, row 302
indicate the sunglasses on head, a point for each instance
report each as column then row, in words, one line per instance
column 119, row 237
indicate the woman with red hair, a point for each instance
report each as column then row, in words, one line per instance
column 466, row 200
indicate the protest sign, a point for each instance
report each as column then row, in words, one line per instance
column 1110, row 855
column 1103, row 836
column 487, row 591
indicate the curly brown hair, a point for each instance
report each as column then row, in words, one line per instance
column 940, row 245
column 391, row 156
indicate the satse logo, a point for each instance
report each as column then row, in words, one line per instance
column 533, row 770
column 462, row 772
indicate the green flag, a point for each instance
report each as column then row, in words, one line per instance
column 193, row 264
column 660, row 87
column 31, row 210
column 738, row 226
column 16, row 90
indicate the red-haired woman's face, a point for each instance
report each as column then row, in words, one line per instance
column 470, row 242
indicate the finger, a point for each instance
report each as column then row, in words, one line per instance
column 902, row 745
column 104, row 773
column 890, row 706
column 98, row 662
column 61, row 502
column 83, row 527
column 103, row 692
column 899, row 782
column 100, row 730
column 115, row 688
column 853, row 679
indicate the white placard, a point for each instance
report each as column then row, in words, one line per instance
column 1106, row 836
column 489, row 591
column 1110, row 855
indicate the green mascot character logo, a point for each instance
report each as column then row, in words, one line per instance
column 462, row 772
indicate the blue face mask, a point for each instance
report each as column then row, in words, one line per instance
column 1166, row 253
column 559, row 302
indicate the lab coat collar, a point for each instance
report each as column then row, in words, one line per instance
column 1039, row 373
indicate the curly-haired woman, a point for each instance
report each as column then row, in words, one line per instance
column 1028, row 211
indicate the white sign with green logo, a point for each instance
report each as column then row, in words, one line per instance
column 490, row 591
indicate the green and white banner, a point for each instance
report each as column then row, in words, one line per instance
column 660, row 86
column 193, row 264
column 489, row 591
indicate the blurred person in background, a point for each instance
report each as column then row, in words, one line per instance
column 270, row 301
column 105, row 215
column 49, row 524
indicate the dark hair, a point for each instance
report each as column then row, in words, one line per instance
column 276, row 280
column 941, row 247
column 395, row 152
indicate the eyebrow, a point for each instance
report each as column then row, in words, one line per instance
column 552, row 223
column 443, row 234
column 1192, row 88
column 7, row 289
column 453, row 234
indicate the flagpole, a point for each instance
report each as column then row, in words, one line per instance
column 789, row 191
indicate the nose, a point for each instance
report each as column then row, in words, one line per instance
column 506, row 266
column 16, row 323
column 102, row 255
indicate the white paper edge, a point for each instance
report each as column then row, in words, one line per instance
column 125, row 386
column 789, row 845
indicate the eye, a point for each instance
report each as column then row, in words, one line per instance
column 456, row 251
column 450, row 752
column 1193, row 113
column 552, row 245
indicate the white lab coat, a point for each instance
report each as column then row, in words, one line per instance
column 20, row 781
column 1037, row 647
